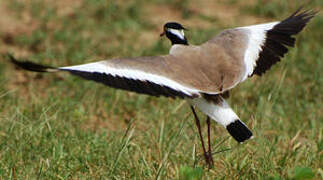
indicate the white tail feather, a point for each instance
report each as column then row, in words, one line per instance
column 221, row 112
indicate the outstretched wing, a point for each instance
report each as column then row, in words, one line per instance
column 277, row 37
column 190, row 71
column 146, row 75
column 261, row 46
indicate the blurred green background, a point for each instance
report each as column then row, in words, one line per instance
column 56, row 126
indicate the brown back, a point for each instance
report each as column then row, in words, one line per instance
column 212, row 67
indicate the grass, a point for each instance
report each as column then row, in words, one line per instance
column 55, row 126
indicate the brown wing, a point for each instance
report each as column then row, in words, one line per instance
column 188, row 71
column 147, row 75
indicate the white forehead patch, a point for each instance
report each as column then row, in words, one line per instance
column 178, row 32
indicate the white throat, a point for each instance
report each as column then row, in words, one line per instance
column 178, row 32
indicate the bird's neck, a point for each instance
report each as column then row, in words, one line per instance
column 179, row 41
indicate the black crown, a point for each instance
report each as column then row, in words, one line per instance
column 174, row 25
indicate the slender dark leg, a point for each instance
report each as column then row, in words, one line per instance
column 209, row 140
column 197, row 122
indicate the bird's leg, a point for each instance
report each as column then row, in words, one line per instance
column 197, row 122
column 209, row 140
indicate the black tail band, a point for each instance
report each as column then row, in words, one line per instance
column 239, row 131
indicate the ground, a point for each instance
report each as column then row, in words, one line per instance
column 55, row 126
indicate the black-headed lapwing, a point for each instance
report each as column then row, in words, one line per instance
column 202, row 74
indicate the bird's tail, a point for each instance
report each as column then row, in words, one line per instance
column 30, row 66
column 222, row 113
column 239, row 131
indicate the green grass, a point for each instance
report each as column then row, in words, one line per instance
column 55, row 126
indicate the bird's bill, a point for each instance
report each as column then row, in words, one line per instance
column 162, row 34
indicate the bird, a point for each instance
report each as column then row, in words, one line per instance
column 201, row 74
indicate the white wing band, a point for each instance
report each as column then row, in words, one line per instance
column 257, row 37
column 104, row 67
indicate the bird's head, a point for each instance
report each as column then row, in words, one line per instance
column 175, row 33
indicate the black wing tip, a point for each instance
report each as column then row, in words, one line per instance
column 306, row 14
column 239, row 131
column 30, row 66
column 299, row 18
column 280, row 37
column 309, row 13
column 12, row 58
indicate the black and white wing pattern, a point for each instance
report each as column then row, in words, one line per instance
column 145, row 75
column 267, row 43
